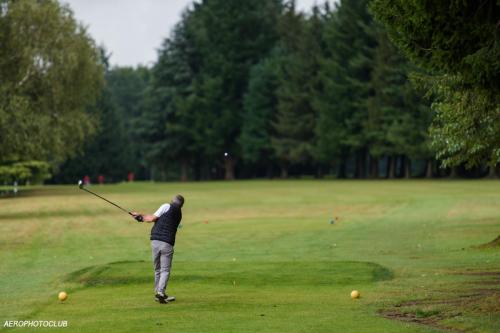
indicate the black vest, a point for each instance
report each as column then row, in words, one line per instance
column 165, row 227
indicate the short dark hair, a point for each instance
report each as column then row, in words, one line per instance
column 178, row 200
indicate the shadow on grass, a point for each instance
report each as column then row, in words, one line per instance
column 494, row 244
column 273, row 274
column 114, row 273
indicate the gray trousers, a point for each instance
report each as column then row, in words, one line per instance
column 162, row 261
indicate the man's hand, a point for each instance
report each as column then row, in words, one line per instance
column 137, row 216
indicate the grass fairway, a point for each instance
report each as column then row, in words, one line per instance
column 259, row 256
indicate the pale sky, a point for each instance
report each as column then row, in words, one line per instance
column 132, row 30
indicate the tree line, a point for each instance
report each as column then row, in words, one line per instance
column 284, row 93
column 259, row 89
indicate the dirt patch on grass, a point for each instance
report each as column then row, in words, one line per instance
column 421, row 317
column 486, row 278
column 479, row 297
column 494, row 244
column 474, row 299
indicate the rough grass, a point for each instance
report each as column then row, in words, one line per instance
column 259, row 256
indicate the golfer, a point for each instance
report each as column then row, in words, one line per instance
column 166, row 220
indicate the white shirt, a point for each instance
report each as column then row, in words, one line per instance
column 162, row 210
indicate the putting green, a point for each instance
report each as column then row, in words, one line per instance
column 258, row 256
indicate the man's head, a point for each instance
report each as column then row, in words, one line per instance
column 178, row 200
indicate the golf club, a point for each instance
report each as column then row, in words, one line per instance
column 80, row 185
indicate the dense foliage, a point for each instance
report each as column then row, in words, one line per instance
column 264, row 88
column 51, row 75
column 459, row 42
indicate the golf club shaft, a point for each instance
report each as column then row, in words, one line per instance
column 97, row 195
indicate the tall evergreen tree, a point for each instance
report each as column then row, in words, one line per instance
column 260, row 104
column 127, row 88
column 293, row 135
column 170, row 125
column 360, row 66
column 397, row 116
column 233, row 36
column 345, row 73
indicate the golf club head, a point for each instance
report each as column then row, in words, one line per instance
column 80, row 184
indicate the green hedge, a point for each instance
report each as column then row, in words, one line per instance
column 32, row 171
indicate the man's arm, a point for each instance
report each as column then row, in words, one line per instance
column 151, row 218
column 146, row 217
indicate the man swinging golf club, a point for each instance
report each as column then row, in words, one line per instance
column 166, row 221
